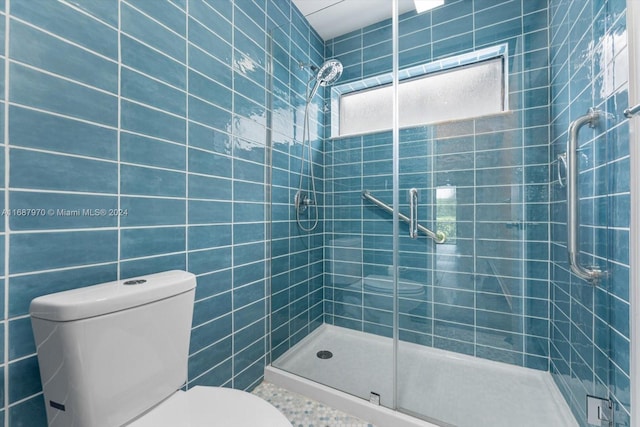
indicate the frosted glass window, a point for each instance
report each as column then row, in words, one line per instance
column 459, row 93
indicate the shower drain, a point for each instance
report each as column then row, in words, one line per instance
column 324, row 354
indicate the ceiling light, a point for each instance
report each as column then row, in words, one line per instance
column 424, row 5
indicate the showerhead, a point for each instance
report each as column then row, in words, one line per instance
column 329, row 72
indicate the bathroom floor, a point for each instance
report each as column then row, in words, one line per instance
column 305, row 412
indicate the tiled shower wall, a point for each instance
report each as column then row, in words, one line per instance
column 156, row 109
column 486, row 292
column 297, row 255
column 590, row 324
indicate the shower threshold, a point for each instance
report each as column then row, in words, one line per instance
column 443, row 387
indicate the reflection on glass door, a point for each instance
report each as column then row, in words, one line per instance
column 466, row 343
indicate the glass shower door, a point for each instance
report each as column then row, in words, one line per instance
column 349, row 346
column 473, row 311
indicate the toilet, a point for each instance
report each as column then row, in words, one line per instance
column 115, row 354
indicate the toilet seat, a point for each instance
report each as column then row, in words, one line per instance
column 212, row 407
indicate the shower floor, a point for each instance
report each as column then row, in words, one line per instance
column 443, row 387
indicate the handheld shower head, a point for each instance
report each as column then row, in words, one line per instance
column 329, row 72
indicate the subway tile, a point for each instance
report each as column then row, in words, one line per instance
column 208, row 333
column 209, row 212
column 149, row 61
column 210, row 18
column 64, row 21
column 35, row 129
column 218, row 376
column 41, row 50
column 21, row 340
column 209, row 42
column 249, row 367
column 147, row 121
column 209, row 114
column 249, row 51
column 208, row 357
column 137, row 180
column 146, row 151
column 453, row 27
column 63, row 211
column 44, row 171
column 207, row 163
column 251, row 25
column 248, row 171
column 136, row 87
column 143, row 242
column 148, row 31
column 42, row 251
column 247, row 294
column 206, row 187
column 104, row 10
column 24, row 379
column 209, row 90
column 248, row 314
column 503, row 12
column 211, row 308
column 164, row 12
column 210, row 236
column 249, row 335
column 209, row 260
column 43, row 91
column 209, row 66
column 149, row 211
column 145, row 266
column 225, row 7
column 244, row 254
column 209, row 139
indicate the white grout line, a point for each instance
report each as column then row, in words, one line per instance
column 118, row 142
column 6, row 205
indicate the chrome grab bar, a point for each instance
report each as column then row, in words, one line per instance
column 593, row 273
column 413, row 213
column 438, row 237
column 631, row 111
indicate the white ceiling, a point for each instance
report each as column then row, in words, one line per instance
column 332, row 18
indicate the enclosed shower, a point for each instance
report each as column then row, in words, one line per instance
column 450, row 210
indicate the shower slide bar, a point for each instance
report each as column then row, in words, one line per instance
column 632, row 111
column 592, row 274
column 438, row 237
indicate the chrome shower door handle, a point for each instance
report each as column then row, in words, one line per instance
column 413, row 213
column 592, row 274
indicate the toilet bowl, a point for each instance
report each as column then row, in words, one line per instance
column 116, row 354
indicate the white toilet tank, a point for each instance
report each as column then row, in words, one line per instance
column 109, row 352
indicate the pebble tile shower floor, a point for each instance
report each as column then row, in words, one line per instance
column 305, row 412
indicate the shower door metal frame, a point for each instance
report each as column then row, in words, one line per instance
column 633, row 32
column 396, row 197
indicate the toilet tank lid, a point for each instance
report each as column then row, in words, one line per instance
column 110, row 297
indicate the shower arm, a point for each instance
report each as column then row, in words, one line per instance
column 438, row 236
column 592, row 274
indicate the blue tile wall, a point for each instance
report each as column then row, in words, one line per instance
column 156, row 108
column 486, row 294
column 590, row 325
column 162, row 109
column 297, row 256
